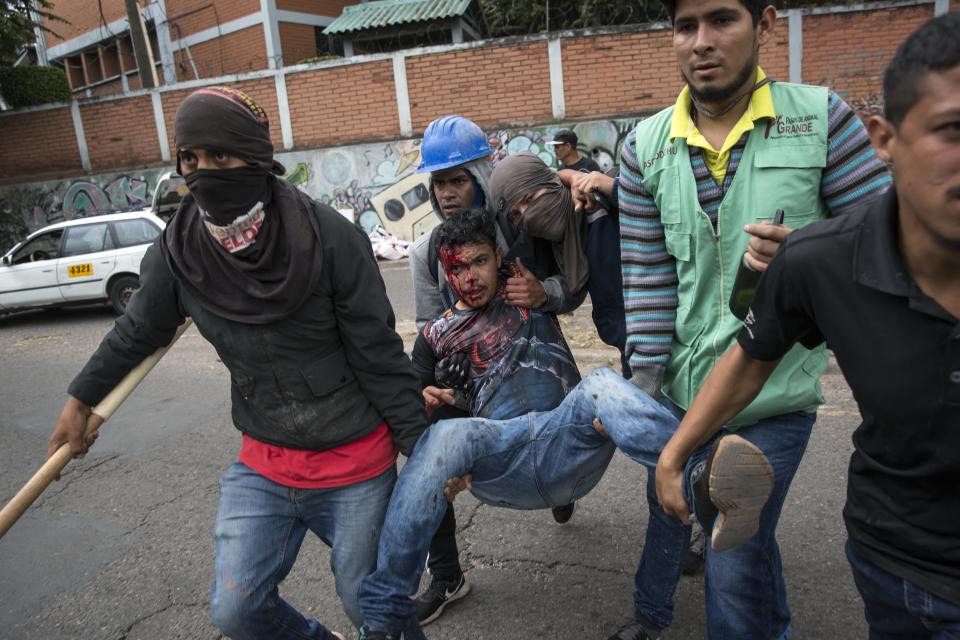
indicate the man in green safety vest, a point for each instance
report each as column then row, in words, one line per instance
column 699, row 183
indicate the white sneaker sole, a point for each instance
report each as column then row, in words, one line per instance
column 460, row 594
column 741, row 480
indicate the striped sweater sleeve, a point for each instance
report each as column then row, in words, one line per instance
column 854, row 173
column 649, row 276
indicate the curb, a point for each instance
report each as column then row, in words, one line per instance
column 393, row 265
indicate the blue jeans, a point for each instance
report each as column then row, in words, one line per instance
column 260, row 526
column 745, row 595
column 897, row 609
column 535, row 461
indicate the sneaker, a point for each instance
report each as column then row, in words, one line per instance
column 564, row 513
column 694, row 561
column 633, row 630
column 730, row 490
column 440, row 593
column 338, row 636
column 367, row 634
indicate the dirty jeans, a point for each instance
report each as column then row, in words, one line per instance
column 260, row 526
column 746, row 598
column 535, row 461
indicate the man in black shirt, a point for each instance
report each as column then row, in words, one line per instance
column 565, row 147
column 882, row 288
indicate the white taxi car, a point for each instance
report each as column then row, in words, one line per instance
column 78, row 262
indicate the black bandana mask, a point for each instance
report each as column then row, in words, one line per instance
column 226, row 194
column 244, row 243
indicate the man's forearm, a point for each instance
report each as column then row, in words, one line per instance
column 649, row 282
column 567, row 176
column 559, row 298
column 735, row 381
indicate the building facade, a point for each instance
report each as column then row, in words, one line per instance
column 190, row 39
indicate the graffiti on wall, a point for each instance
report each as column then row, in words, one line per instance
column 378, row 182
column 40, row 204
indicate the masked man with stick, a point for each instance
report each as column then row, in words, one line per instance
column 290, row 296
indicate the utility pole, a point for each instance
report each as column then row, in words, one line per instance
column 41, row 43
column 141, row 46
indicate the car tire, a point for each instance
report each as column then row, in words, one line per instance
column 120, row 291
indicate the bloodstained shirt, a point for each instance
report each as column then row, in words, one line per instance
column 519, row 361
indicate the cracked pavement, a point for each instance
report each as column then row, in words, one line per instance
column 120, row 548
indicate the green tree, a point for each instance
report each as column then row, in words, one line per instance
column 520, row 17
column 18, row 18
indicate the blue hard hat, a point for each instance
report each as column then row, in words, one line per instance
column 450, row 141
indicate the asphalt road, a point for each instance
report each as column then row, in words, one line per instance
column 120, row 548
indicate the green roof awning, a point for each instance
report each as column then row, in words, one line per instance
column 388, row 13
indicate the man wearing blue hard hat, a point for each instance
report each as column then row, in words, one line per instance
column 456, row 153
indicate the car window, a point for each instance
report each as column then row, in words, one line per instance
column 133, row 232
column 44, row 247
column 168, row 196
column 88, row 238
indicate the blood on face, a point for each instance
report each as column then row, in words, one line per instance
column 471, row 271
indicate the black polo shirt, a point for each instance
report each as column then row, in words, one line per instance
column 843, row 281
column 583, row 164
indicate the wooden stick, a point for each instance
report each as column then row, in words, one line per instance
column 12, row 511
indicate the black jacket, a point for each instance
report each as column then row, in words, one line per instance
column 321, row 377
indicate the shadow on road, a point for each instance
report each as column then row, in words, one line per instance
column 55, row 316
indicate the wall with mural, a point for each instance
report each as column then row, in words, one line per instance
column 42, row 203
column 377, row 181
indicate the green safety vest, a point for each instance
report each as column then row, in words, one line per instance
column 781, row 168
